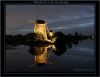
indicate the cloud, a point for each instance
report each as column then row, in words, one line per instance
column 67, row 18
column 26, row 30
column 62, row 27
column 74, row 26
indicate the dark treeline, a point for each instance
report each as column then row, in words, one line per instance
column 62, row 43
column 28, row 39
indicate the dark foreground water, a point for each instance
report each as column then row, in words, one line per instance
column 79, row 58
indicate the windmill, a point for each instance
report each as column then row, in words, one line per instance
column 41, row 28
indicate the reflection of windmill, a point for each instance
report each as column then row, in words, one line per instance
column 41, row 54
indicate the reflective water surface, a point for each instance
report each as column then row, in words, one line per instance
column 77, row 56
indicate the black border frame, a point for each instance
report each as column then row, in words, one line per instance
column 63, row 2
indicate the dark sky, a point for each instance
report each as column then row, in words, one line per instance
column 65, row 18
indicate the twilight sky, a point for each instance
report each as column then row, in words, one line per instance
column 65, row 18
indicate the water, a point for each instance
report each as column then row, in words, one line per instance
column 78, row 58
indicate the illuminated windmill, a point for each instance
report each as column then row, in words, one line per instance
column 41, row 29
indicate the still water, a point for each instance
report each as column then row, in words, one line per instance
column 75, row 58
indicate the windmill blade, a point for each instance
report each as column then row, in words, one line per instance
column 31, row 20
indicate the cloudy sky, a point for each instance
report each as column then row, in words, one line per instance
column 65, row 18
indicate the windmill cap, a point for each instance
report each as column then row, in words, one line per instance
column 40, row 21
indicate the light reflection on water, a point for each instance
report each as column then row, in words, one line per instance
column 77, row 57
